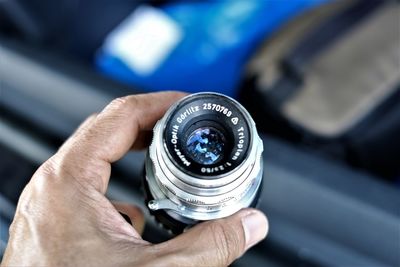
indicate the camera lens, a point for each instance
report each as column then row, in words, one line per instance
column 205, row 145
column 204, row 162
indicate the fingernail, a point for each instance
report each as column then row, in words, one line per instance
column 255, row 227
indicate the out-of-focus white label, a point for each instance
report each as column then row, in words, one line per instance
column 144, row 39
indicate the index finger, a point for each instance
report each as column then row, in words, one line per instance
column 112, row 133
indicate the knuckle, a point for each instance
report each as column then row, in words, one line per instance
column 92, row 116
column 86, row 123
column 122, row 103
column 45, row 176
column 44, row 180
column 118, row 102
column 47, row 168
column 64, row 170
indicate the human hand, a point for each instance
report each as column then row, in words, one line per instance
column 64, row 219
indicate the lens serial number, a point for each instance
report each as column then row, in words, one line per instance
column 218, row 108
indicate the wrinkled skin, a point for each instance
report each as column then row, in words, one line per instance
column 64, row 219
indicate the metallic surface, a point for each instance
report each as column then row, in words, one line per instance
column 205, row 198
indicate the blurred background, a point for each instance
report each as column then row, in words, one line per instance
column 320, row 77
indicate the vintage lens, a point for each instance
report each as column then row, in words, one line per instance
column 204, row 162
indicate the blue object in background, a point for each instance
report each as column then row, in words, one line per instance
column 197, row 46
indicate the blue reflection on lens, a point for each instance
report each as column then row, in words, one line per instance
column 205, row 145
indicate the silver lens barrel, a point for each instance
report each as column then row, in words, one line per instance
column 204, row 161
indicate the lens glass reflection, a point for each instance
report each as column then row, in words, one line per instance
column 206, row 145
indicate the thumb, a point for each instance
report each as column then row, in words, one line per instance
column 219, row 242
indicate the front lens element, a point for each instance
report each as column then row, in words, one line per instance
column 206, row 145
